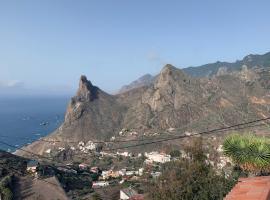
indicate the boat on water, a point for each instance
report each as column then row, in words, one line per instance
column 44, row 123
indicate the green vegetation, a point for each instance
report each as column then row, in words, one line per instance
column 175, row 153
column 191, row 178
column 5, row 187
column 250, row 152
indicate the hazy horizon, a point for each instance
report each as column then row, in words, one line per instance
column 114, row 43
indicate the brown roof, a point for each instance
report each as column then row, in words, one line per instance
column 255, row 188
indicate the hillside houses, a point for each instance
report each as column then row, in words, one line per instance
column 157, row 157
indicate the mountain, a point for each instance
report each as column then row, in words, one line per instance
column 174, row 100
column 145, row 80
column 92, row 113
column 251, row 61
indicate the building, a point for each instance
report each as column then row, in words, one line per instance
column 127, row 193
column 254, row 188
column 32, row 166
column 95, row 170
column 125, row 154
column 100, row 184
column 83, row 166
column 155, row 174
column 140, row 171
column 157, row 157
column 122, row 172
column 110, row 174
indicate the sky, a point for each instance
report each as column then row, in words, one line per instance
column 46, row 45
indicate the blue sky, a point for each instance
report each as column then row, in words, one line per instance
column 47, row 45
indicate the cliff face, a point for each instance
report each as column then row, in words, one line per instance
column 91, row 114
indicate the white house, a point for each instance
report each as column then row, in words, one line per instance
column 140, row 171
column 100, row 184
column 125, row 154
column 130, row 173
column 32, row 166
column 122, row 172
column 157, row 157
column 127, row 193
column 155, row 174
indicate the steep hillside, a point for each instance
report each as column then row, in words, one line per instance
column 251, row 61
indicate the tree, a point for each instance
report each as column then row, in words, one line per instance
column 250, row 152
column 190, row 178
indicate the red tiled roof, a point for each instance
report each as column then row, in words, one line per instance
column 255, row 188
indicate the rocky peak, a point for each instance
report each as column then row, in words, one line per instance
column 168, row 69
column 86, row 90
column 170, row 74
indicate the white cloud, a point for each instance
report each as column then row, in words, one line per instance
column 155, row 57
column 11, row 84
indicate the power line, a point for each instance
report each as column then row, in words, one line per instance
column 228, row 128
column 157, row 141
column 34, row 154
column 107, row 141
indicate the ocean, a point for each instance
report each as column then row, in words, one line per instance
column 26, row 119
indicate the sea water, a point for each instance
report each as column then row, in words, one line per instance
column 26, row 119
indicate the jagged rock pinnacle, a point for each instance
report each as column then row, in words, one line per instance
column 86, row 90
column 168, row 68
column 170, row 72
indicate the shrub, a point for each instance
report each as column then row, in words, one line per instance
column 250, row 152
column 175, row 153
column 7, row 194
column 190, row 178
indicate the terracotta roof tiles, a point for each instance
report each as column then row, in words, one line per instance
column 255, row 188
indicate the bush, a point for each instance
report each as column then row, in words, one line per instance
column 6, row 182
column 190, row 178
column 175, row 153
column 7, row 194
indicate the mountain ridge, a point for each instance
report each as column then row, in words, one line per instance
column 173, row 100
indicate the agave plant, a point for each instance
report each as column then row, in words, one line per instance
column 250, row 152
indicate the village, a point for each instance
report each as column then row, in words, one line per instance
column 76, row 176
column 101, row 178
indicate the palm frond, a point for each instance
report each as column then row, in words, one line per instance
column 250, row 152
